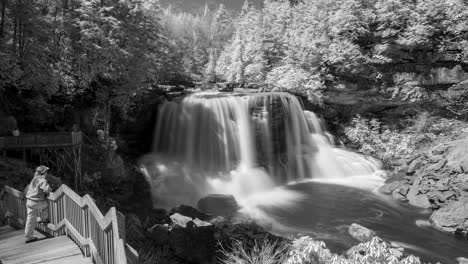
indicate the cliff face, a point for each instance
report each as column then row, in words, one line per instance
column 409, row 81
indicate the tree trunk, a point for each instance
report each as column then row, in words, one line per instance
column 2, row 21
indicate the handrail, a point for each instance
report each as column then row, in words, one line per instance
column 97, row 235
column 39, row 140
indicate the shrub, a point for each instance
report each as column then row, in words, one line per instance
column 263, row 252
column 373, row 138
column 305, row 250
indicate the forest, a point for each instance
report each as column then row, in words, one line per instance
column 282, row 90
column 105, row 52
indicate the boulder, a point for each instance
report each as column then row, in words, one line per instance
column 415, row 198
column 415, row 165
column 390, row 187
column 419, row 200
column 200, row 223
column 462, row 260
column 457, row 160
column 218, row 204
column 462, row 187
column 191, row 212
column 361, row 233
column 451, row 217
column 180, row 220
column 438, row 166
column 422, row 223
column 400, row 192
column 442, row 183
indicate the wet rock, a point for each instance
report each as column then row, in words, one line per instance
column 462, row 178
column 422, row 223
column 191, row 212
column 462, row 187
column 159, row 234
column 218, row 221
column 361, row 233
column 438, row 166
column 462, row 260
column 415, row 165
column 436, row 196
column 419, row 200
column 218, row 204
column 400, row 192
column 180, row 220
column 442, row 182
column 396, row 176
column 451, row 217
column 200, row 223
column 445, row 196
column 439, row 150
column 410, row 179
column 390, row 187
column 457, row 160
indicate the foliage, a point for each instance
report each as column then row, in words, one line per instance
column 263, row 252
column 307, row 251
column 373, row 138
column 101, row 52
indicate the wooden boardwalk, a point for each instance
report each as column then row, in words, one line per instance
column 54, row 250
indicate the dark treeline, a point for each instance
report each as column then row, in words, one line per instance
column 105, row 52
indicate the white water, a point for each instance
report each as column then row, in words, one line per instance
column 246, row 145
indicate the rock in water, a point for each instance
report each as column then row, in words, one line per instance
column 416, row 199
column 452, row 217
column 218, row 204
column 419, row 200
column 390, row 187
column 422, row 223
column 191, row 212
column 361, row 233
column 180, row 220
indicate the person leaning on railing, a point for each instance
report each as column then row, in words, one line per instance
column 36, row 199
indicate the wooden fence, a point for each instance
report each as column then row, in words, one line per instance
column 40, row 140
column 100, row 237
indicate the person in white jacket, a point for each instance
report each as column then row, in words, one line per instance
column 36, row 199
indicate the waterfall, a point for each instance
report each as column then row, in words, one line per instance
column 243, row 143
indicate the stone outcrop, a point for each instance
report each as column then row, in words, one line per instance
column 218, row 204
column 436, row 179
column 188, row 239
column 453, row 217
column 361, row 233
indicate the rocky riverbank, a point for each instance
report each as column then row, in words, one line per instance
column 186, row 235
column 435, row 177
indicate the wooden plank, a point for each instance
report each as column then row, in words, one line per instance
column 56, row 250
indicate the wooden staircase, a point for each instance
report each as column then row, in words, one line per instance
column 76, row 225
column 54, row 250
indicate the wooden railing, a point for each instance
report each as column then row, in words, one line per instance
column 100, row 237
column 40, row 140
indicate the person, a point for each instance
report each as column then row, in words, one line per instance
column 36, row 196
column 15, row 132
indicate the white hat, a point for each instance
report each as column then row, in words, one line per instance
column 42, row 169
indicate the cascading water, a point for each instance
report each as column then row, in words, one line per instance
column 277, row 160
column 243, row 144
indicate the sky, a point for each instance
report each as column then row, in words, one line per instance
column 197, row 6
